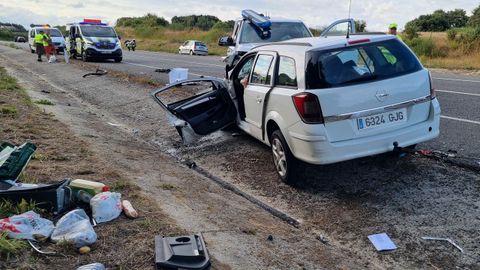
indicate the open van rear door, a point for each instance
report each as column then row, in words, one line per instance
column 339, row 28
column 197, row 107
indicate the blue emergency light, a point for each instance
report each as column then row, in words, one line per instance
column 258, row 20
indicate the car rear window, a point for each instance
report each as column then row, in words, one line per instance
column 357, row 64
column 200, row 44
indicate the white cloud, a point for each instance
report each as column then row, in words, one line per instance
column 377, row 13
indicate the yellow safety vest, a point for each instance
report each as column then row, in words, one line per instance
column 39, row 38
column 45, row 39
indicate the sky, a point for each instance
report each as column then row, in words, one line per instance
column 377, row 13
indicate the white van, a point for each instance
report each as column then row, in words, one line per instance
column 57, row 37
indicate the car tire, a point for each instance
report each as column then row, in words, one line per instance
column 286, row 165
column 191, row 52
column 85, row 57
column 118, row 59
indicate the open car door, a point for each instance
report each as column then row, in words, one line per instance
column 197, row 107
column 339, row 28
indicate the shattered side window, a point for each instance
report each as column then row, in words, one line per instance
column 178, row 94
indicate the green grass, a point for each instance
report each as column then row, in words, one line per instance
column 8, row 208
column 44, row 102
column 8, row 110
column 11, row 246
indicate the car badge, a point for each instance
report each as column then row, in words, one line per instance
column 381, row 95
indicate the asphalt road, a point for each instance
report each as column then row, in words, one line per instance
column 459, row 94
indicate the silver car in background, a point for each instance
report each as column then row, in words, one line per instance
column 193, row 47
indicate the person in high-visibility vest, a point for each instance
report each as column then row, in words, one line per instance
column 392, row 30
column 39, row 45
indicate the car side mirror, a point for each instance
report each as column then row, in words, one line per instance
column 119, row 37
column 226, row 41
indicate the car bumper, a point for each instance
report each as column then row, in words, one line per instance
column 318, row 150
column 201, row 52
column 104, row 54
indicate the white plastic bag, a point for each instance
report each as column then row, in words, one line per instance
column 26, row 226
column 106, row 206
column 92, row 266
column 177, row 74
column 52, row 59
column 75, row 227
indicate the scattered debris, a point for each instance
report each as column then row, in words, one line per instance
column 382, row 242
column 45, row 91
column 443, row 239
column 43, row 252
column 92, row 266
column 163, row 70
column 106, row 206
column 84, row 250
column 177, row 74
column 113, row 124
column 270, row 237
column 84, row 190
column 13, row 159
column 54, row 198
column 74, row 227
column 181, row 252
column 190, row 163
column 128, row 209
column 26, row 226
column 236, row 134
column 98, row 72
column 322, row 238
column 135, row 131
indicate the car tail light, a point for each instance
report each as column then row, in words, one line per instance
column 432, row 90
column 308, row 108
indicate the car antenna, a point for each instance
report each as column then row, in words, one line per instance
column 349, row 11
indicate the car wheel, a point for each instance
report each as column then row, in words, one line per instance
column 285, row 163
column 191, row 53
column 85, row 57
column 32, row 51
column 118, row 59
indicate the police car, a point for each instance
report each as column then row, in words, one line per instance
column 92, row 39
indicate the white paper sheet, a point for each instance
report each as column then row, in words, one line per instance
column 382, row 242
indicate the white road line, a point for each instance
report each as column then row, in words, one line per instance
column 456, row 92
column 451, row 79
column 460, row 119
column 142, row 65
column 161, row 58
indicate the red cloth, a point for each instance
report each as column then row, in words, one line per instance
column 49, row 49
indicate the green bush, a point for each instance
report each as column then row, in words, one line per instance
column 410, row 31
column 452, row 34
column 425, row 47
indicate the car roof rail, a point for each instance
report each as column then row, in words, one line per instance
column 305, row 44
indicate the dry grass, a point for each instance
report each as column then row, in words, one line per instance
column 122, row 243
column 455, row 57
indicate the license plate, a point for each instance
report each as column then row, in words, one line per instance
column 382, row 119
column 105, row 52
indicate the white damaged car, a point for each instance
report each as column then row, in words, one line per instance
column 318, row 100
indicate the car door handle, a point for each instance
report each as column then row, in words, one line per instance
column 259, row 100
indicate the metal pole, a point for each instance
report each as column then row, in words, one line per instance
column 349, row 8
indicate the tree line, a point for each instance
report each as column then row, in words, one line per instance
column 441, row 20
column 203, row 22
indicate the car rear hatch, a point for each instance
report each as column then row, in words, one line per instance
column 368, row 88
